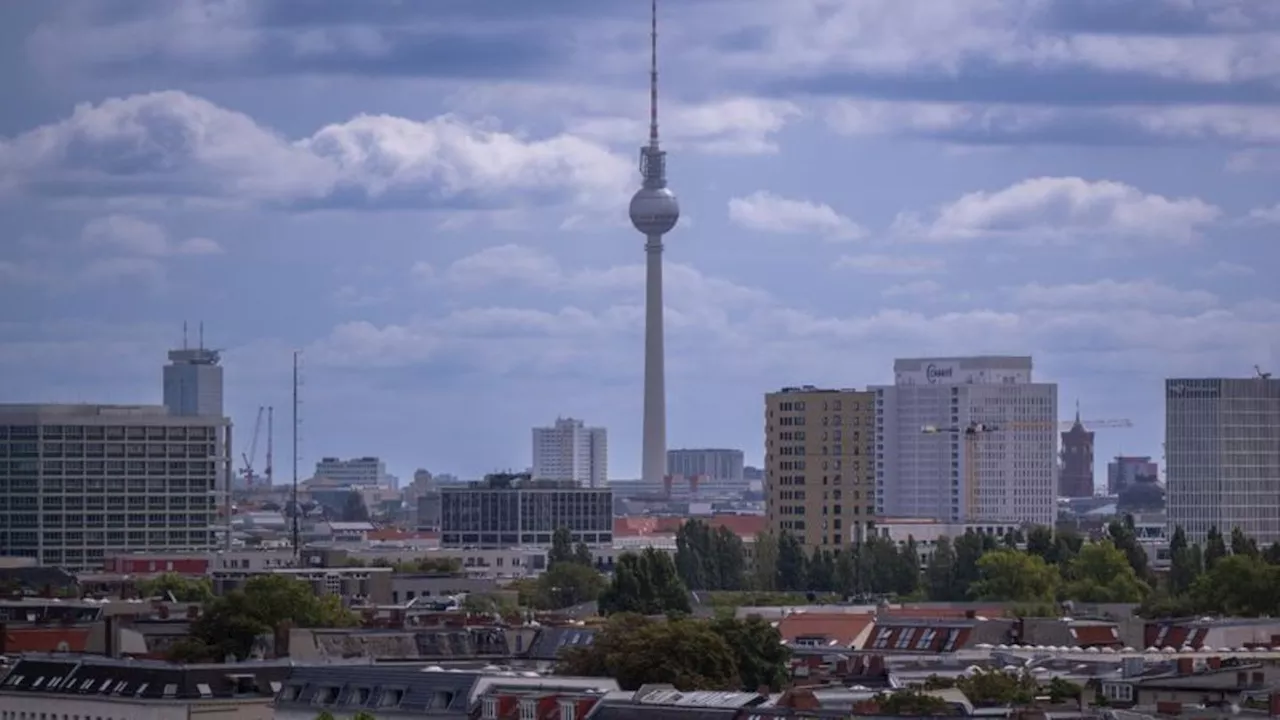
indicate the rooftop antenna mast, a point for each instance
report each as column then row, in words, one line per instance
column 271, row 443
column 1261, row 375
column 297, row 509
column 184, row 335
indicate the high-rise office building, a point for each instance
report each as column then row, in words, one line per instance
column 1075, row 476
column 510, row 510
column 818, row 472
column 712, row 463
column 360, row 472
column 1126, row 470
column 569, row 450
column 193, row 383
column 1005, row 472
column 1222, row 456
column 82, row 481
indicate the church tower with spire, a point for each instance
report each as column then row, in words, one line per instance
column 1075, row 473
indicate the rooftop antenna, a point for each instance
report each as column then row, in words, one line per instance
column 201, row 334
column 184, row 334
column 1261, row 375
column 653, row 77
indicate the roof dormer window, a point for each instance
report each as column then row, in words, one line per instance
column 528, row 709
column 490, row 711
column 568, row 710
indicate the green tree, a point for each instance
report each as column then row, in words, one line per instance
column 969, row 547
column 230, row 624
column 1242, row 544
column 907, row 568
column 1125, row 538
column 1215, row 548
column 1238, row 585
column 686, row 653
column 1184, row 568
column 1102, row 574
column 180, row 587
column 845, row 573
column 1013, row 576
column 567, row 584
column 1040, row 542
column 765, row 576
column 561, row 547
column 758, row 649
column 582, row 555
column 428, row 565
column 940, row 573
column 710, row 559
column 645, row 583
column 989, row 688
column 791, row 570
column 353, row 508
column 911, row 703
column 822, row 571
column 731, row 559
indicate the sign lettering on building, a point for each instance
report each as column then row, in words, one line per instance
column 1193, row 389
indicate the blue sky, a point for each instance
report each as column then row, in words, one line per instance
column 429, row 200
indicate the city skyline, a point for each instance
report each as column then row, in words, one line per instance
column 446, row 241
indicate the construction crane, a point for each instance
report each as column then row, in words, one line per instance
column 249, row 457
column 973, row 431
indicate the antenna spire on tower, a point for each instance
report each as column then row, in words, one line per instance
column 653, row 77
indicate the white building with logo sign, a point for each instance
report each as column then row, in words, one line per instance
column 1222, row 456
column 1006, row 474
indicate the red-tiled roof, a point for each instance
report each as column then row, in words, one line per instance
column 846, row 629
column 939, row 612
column 1096, row 635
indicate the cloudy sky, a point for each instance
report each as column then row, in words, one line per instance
column 429, row 200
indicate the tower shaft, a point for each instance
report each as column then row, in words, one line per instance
column 653, row 468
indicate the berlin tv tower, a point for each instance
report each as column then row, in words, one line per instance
column 654, row 212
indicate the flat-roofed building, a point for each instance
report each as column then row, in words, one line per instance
column 85, row 481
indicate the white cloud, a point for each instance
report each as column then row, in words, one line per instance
column 1062, row 209
column 134, row 237
column 1121, row 296
column 728, row 126
column 1266, row 215
column 124, row 269
column 915, row 288
column 890, row 264
column 764, row 211
column 172, row 143
column 1224, row 269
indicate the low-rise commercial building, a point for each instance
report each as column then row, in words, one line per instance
column 510, row 510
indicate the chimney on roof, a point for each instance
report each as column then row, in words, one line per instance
column 1186, row 665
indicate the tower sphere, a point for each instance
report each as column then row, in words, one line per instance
column 654, row 211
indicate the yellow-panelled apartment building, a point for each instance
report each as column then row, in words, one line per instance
column 819, row 477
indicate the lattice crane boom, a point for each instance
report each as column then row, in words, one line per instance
column 252, row 455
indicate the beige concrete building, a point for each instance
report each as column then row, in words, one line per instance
column 819, row 476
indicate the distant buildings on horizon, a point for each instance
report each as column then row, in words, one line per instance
column 569, row 450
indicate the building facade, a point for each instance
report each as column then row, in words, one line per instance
column 84, row 481
column 819, row 478
column 358, row 472
column 1222, row 456
column 1005, row 473
column 510, row 510
column 1126, row 470
column 193, row 383
column 712, row 463
column 569, row 450
column 1075, row 476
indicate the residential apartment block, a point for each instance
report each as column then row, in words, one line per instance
column 819, row 477
column 569, row 450
column 1005, row 473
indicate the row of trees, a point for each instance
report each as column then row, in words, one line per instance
column 721, row 654
column 1228, row 576
column 231, row 624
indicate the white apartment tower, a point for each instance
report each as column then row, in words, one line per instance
column 361, row 472
column 193, row 383
column 569, row 450
column 1005, row 473
column 1222, row 456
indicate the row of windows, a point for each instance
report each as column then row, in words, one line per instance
column 104, row 432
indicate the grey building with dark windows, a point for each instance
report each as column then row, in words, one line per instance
column 510, row 510
column 1222, row 456
column 82, row 481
